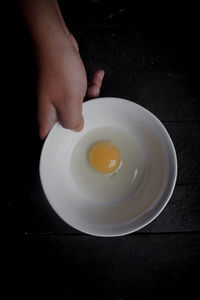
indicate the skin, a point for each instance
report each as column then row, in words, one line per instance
column 62, row 79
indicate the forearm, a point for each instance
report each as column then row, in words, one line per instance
column 45, row 22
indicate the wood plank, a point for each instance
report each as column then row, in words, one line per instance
column 159, row 70
column 148, row 67
column 111, row 268
column 185, row 136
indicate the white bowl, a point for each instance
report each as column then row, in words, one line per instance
column 99, row 218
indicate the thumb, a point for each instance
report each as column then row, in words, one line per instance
column 95, row 83
column 69, row 112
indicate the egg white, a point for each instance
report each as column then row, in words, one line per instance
column 125, row 180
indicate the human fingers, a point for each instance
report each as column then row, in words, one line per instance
column 95, row 83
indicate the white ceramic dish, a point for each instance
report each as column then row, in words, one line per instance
column 94, row 215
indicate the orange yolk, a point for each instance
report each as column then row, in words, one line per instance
column 104, row 157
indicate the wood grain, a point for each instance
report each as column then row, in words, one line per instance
column 114, row 268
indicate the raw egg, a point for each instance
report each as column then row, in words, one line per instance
column 108, row 164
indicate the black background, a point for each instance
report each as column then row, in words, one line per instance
column 154, row 65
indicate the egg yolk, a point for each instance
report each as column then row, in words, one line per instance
column 104, row 157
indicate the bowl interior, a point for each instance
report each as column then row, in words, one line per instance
column 103, row 218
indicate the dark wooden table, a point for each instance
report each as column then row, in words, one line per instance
column 156, row 66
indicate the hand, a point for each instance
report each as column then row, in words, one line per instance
column 62, row 85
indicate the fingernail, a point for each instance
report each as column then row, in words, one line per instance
column 80, row 127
